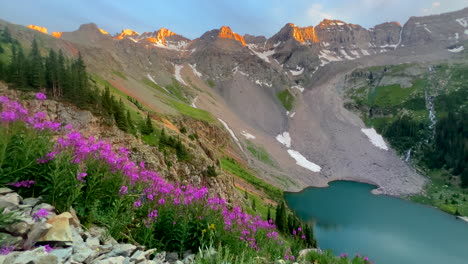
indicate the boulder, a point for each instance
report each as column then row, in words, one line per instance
column 62, row 254
column 60, row 230
column 36, row 256
column 19, row 228
column 5, row 190
column 112, row 260
column 10, row 240
column 37, row 231
column 32, row 201
column 125, row 250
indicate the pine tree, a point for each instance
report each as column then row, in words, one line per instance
column 281, row 220
column 1, row 49
column 269, row 213
column 129, row 121
column 17, row 67
column 35, row 71
column 254, row 204
column 246, row 196
column 7, row 35
column 120, row 117
column 148, row 127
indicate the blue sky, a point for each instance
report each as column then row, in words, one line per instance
column 193, row 18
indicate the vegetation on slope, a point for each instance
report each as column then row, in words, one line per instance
column 402, row 116
column 286, row 98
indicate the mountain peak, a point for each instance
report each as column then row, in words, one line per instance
column 158, row 37
column 103, row 31
column 300, row 34
column 38, row 28
column 56, row 34
column 125, row 33
column 226, row 32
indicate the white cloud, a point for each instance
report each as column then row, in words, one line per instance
column 316, row 13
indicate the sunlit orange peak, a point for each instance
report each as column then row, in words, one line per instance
column 103, row 31
column 126, row 32
column 38, row 28
column 57, row 34
column 226, row 32
column 303, row 34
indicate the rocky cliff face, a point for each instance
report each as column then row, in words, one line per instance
column 449, row 27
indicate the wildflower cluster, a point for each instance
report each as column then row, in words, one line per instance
column 147, row 190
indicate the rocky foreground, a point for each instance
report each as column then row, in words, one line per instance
column 40, row 236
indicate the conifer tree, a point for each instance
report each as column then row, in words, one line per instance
column 254, row 204
column 35, row 71
column 148, row 127
column 269, row 213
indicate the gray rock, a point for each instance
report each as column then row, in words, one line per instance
column 125, row 250
column 36, row 256
column 19, row 228
column 8, row 205
column 5, row 190
column 62, row 254
column 81, row 253
column 92, row 242
column 37, row 231
column 172, row 256
column 112, row 260
column 13, row 198
column 32, row 201
column 10, row 240
column 178, row 262
column 303, row 253
column 189, row 259
column 161, row 256
column 138, row 256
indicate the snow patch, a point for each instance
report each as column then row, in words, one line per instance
column 177, row 74
column 457, row 49
column 365, row 52
column 194, row 101
column 427, row 29
column 300, row 88
column 376, row 139
column 329, row 56
column 151, row 79
column 194, row 69
column 343, row 52
column 231, row 132
column 263, row 55
column 292, row 115
column 466, row 32
column 284, row 139
column 277, row 44
column 462, row 21
column 355, row 53
column 247, row 135
column 457, row 36
column 303, row 162
column 263, row 83
column 298, row 71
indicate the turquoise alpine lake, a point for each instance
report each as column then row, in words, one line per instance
column 349, row 219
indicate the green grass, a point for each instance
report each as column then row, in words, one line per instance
column 195, row 113
column 261, row 205
column 392, row 95
column 210, row 83
column 151, row 84
column 177, row 90
column 444, row 193
column 120, row 74
column 260, row 153
column 286, row 98
column 235, row 168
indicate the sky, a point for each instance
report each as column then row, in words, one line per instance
column 195, row 17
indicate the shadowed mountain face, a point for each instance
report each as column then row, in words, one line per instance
column 288, row 85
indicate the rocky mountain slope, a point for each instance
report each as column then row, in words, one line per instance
column 282, row 92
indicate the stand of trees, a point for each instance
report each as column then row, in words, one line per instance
column 450, row 147
column 61, row 78
column 287, row 223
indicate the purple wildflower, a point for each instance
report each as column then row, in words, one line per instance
column 42, row 213
column 5, row 250
column 41, row 96
column 81, row 176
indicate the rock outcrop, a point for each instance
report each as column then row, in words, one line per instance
column 38, row 28
column 49, row 238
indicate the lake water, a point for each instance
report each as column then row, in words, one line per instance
column 348, row 218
